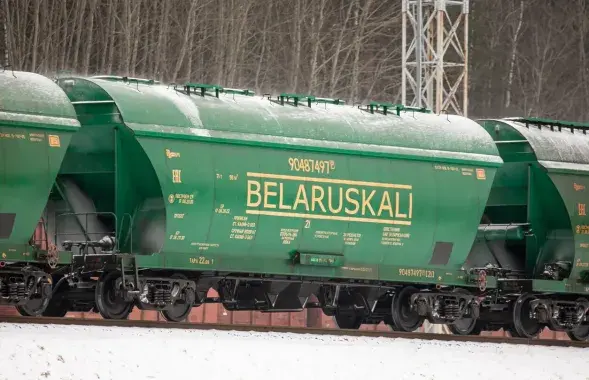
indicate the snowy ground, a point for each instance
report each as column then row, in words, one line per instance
column 77, row 352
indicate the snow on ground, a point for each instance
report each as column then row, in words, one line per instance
column 84, row 353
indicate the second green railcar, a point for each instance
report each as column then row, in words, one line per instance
column 543, row 184
column 37, row 122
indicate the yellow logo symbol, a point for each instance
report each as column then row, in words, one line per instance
column 3, row 255
column 171, row 198
column 54, row 141
column 177, row 176
column 171, row 154
column 578, row 187
column 481, row 174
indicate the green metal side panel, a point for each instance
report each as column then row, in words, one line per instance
column 510, row 189
column 36, row 125
column 573, row 190
column 102, row 158
column 551, row 217
column 424, row 179
column 566, row 285
column 239, row 208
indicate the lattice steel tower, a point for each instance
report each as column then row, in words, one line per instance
column 435, row 55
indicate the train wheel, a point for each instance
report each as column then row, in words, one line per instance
column 347, row 320
column 109, row 304
column 56, row 309
column 35, row 306
column 403, row 318
column 465, row 326
column 388, row 320
column 182, row 308
column 523, row 325
column 581, row 333
column 58, row 306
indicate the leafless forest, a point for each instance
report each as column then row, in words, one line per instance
column 527, row 57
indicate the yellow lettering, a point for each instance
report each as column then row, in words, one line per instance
column 339, row 198
column 397, row 212
column 177, row 176
column 417, row 273
column 352, row 200
column 281, row 205
column 317, row 198
column 366, row 202
column 301, row 198
column 251, row 192
column 410, row 205
column 385, row 204
column 268, row 193
column 369, row 202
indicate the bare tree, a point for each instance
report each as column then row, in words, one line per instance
column 527, row 57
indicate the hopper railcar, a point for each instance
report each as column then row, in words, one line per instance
column 157, row 193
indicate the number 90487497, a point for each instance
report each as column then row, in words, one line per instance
column 309, row 165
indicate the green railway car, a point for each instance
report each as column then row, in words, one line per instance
column 37, row 122
column 156, row 193
column 543, row 184
column 271, row 200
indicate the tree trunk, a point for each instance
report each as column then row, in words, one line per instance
column 89, row 36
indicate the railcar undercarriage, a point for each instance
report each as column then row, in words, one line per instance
column 174, row 294
column 98, row 283
column 26, row 287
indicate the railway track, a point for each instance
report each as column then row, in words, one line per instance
column 292, row 330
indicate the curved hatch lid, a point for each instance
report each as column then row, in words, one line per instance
column 34, row 99
column 558, row 145
column 151, row 109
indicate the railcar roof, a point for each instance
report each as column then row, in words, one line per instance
column 161, row 110
column 556, row 144
column 34, row 99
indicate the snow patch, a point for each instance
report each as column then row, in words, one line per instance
column 39, row 119
column 27, row 92
column 82, row 352
column 181, row 101
column 554, row 145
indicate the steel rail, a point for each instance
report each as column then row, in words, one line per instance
column 292, row 330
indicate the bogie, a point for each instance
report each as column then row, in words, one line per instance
column 27, row 288
column 533, row 312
